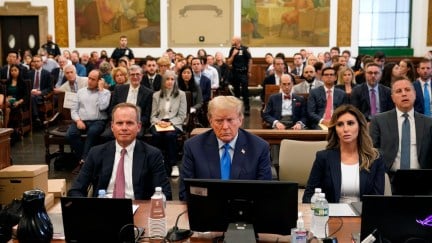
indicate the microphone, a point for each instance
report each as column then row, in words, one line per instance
column 176, row 234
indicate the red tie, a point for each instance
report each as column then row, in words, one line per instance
column 119, row 184
column 287, row 97
column 36, row 83
column 329, row 106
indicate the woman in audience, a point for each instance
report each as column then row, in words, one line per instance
column 407, row 68
column 16, row 91
column 120, row 75
column 390, row 72
column 311, row 60
column 186, row 82
column 167, row 117
column 105, row 69
column 346, row 80
column 350, row 166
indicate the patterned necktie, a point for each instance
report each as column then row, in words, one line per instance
column 36, row 83
column 329, row 106
column 151, row 83
column 119, row 184
column 225, row 163
column 405, row 143
column 373, row 102
column 426, row 100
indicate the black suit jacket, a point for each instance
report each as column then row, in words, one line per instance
column 45, row 81
column 384, row 131
column 156, row 82
column 360, row 99
column 316, row 103
column 148, row 171
column 326, row 174
column 273, row 109
column 55, row 75
column 144, row 101
column 23, row 69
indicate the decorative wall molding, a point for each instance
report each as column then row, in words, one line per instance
column 61, row 22
column 344, row 22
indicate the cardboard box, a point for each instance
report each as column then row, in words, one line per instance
column 16, row 179
column 57, row 186
column 49, row 200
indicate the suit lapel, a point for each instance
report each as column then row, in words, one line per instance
column 212, row 150
column 335, row 170
column 419, row 127
column 240, row 156
column 107, row 163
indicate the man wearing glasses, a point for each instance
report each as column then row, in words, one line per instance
column 372, row 97
column 226, row 151
column 324, row 99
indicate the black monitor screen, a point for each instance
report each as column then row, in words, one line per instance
column 397, row 219
column 270, row 206
column 412, row 182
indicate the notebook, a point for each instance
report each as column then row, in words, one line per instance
column 412, row 182
column 98, row 220
column 397, row 219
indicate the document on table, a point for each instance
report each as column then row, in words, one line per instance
column 341, row 210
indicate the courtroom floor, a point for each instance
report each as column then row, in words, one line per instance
column 31, row 150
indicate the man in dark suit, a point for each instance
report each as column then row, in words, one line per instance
column 136, row 94
column 200, row 79
column 58, row 73
column 319, row 108
column 298, row 65
column 151, row 79
column 207, row 155
column 385, row 130
column 361, row 96
column 143, row 167
column 278, row 67
column 422, row 85
column 42, row 85
column 12, row 58
column 285, row 110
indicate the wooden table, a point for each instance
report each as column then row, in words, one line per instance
column 174, row 208
column 273, row 136
column 5, row 147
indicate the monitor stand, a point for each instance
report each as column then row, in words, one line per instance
column 239, row 233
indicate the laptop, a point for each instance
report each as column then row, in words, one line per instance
column 397, row 218
column 412, row 182
column 98, row 220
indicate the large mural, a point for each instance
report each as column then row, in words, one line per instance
column 285, row 22
column 101, row 22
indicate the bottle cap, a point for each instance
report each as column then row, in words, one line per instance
column 318, row 189
column 101, row 191
column 158, row 189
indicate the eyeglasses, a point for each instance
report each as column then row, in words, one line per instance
column 135, row 74
column 328, row 74
column 373, row 73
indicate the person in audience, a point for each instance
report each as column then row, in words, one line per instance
column 186, row 82
column 390, row 72
column 164, row 64
column 350, row 166
column 81, row 70
column 89, row 114
column 225, row 70
column 269, row 59
column 210, row 72
column 407, row 68
column 422, row 85
column 105, row 69
column 346, row 80
column 349, row 60
column 363, row 98
column 309, row 82
column 151, row 79
column 323, row 100
column 278, row 71
column 12, row 58
column 285, row 110
column 169, row 109
column 203, row 81
column 52, row 48
column 58, row 73
column 119, row 75
column 121, row 51
column 298, row 65
column 379, row 58
column 247, row 156
column 311, row 60
column 41, row 82
column 360, row 74
column 386, row 130
column 143, row 163
column 73, row 82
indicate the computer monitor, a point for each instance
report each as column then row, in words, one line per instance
column 412, row 182
column 270, row 206
column 397, row 219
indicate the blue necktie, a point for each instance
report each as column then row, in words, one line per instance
column 426, row 99
column 225, row 163
column 405, row 143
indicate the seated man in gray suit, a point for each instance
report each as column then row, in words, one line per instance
column 386, row 130
column 309, row 82
column 285, row 110
column 322, row 101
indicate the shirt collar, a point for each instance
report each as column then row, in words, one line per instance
column 129, row 148
column 232, row 143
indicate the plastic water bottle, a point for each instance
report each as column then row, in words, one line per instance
column 320, row 217
column 101, row 193
column 157, row 221
column 314, row 198
column 159, row 189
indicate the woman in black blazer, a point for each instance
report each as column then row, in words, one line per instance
column 350, row 166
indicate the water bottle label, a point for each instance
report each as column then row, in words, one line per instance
column 321, row 211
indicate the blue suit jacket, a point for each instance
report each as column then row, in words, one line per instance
column 251, row 159
column 360, row 99
column 419, row 102
column 273, row 109
column 326, row 174
column 316, row 103
column 148, row 171
column 205, row 85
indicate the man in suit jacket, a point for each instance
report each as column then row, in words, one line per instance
column 361, row 94
column 151, row 79
column 203, row 153
column 317, row 100
column 143, row 164
column 12, row 58
column 42, row 85
column 201, row 80
column 58, row 73
column 142, row 98
column 73, row 81
column 278, row 64
column 424, row 71
column 310, row 81
column 385, row 129
column 285, row 110
column 298, row 65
